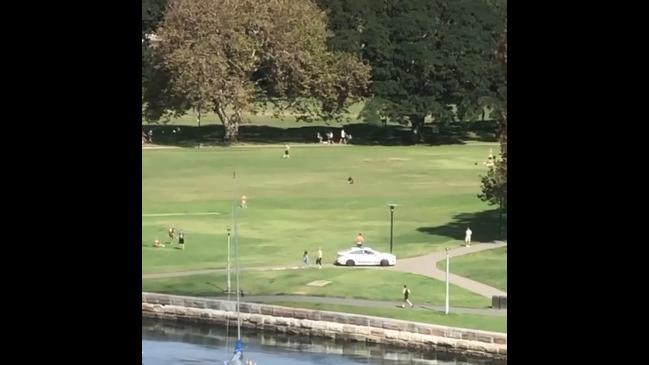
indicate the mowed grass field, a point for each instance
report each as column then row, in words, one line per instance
column 304, row 202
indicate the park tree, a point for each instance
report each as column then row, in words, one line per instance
column 430, row 58
column 230, row 57
column 494, row 184
column 153, row 81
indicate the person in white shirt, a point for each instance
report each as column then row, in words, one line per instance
column 342, row 136
column 467, row 237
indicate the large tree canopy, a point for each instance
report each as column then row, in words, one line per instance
column 428, row 57
column 221, row 55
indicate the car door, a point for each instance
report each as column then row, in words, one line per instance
column 369, row 258
column 356, row 255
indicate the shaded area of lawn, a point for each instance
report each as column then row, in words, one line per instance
column 484, row 225
column 362, row 133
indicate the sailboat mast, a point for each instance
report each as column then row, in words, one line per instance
column 236, row 255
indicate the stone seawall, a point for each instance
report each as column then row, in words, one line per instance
column 306, row 322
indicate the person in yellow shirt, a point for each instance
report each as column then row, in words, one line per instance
column 244, row 203
column 360, row 240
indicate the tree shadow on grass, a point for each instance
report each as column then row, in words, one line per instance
column 484, row 225
column 362, row 133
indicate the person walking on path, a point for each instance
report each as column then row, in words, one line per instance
column 360, row 240
column 406, row 295
column 305, row 258
column 318, row 261
column 467, row 237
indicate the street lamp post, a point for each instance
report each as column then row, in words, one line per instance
column 448, row 263
column 229, row 288
column 391, row 224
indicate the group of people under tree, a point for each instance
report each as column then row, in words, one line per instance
column 344, row 137
column 147, row 137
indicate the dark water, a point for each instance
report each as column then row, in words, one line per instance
column 167, row 343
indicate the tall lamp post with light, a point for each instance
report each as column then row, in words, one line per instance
column 392, row 206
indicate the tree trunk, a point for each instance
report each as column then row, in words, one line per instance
column 417, row 124
column 502, row 132
column 230, row 123
column 232, row 131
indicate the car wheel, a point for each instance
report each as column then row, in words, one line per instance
column 350, row 263
column 384, row 262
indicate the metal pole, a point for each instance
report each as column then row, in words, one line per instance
column 229, row 282
column 500, row 223
column 448, row 263
column 391, row 226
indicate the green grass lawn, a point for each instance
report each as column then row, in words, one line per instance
column 463, row 320
column 375, row 284
column 489, row 267
column 304, row 202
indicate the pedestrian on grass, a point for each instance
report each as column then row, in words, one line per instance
column 244, row 203
column 318, row 261
column 467, row 237
column 172, row 234
column 181, row 239
column 406, row 296
column 305, row 258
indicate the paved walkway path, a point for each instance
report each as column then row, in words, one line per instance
column 423, row 265
column 427, row 266
column 362, row 303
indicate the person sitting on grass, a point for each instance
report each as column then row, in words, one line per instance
column 350, row 180
column 157, row 243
